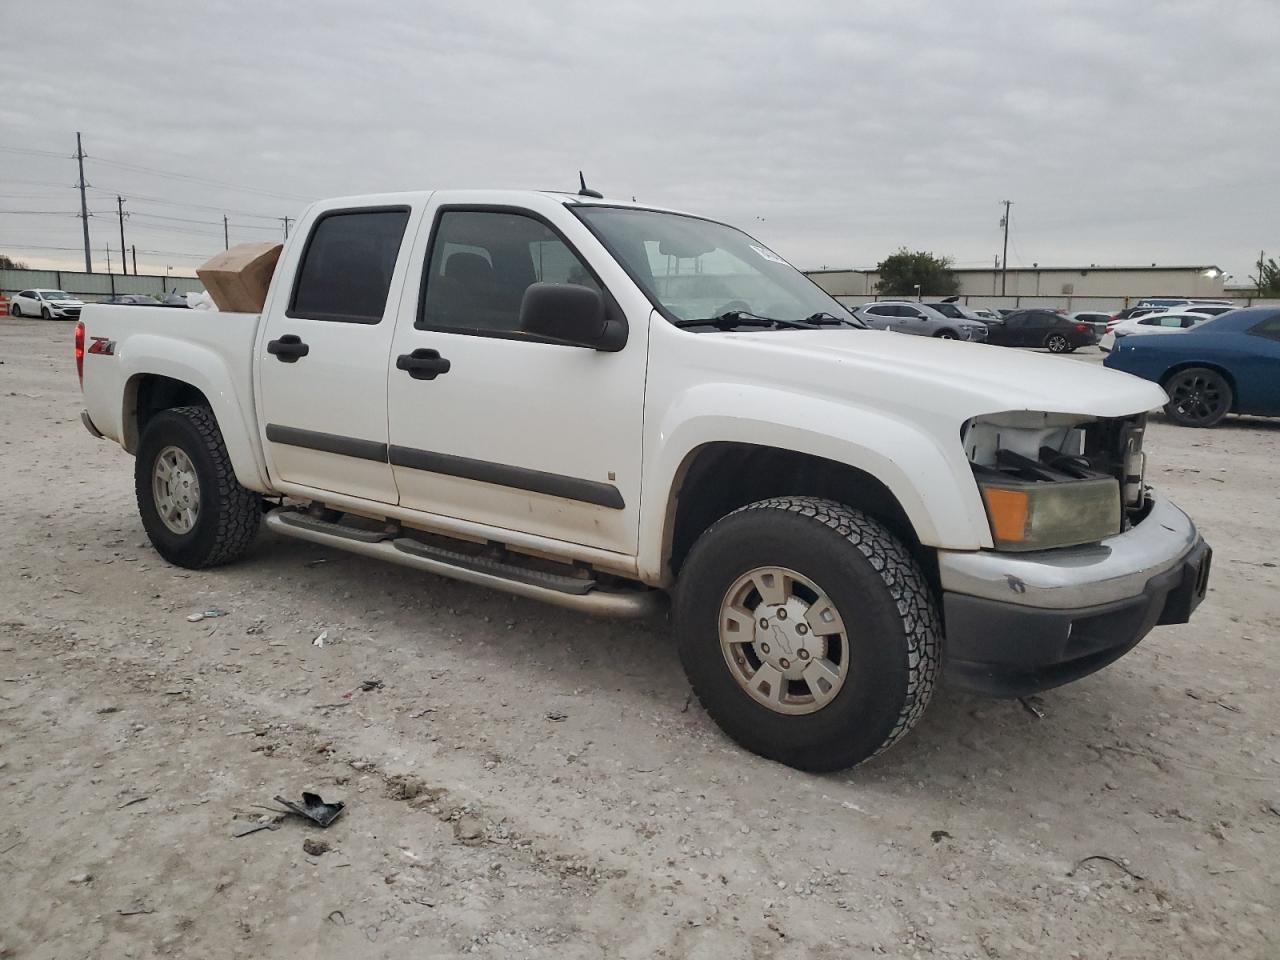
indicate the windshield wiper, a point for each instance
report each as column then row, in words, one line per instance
column 741, row 318
column 823, row 318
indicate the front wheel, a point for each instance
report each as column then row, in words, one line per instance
column 808, row 632
column 946, row 335
column 1198, row 397
column 1057, row 343
column 45, row 314
column 194, row 510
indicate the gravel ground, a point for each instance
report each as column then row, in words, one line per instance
column 522, row 781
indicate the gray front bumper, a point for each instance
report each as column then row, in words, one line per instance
column 1118, row 568
column 1019, row 623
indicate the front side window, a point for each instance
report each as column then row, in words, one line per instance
column 694, row 269
column 482, row 261
column 346, row 268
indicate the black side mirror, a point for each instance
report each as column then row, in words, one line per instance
column 572, row 314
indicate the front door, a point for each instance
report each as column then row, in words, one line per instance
column 323, row 364
column 517, row 433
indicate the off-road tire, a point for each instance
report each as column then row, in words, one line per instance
column 229, row 515
column 894, row 632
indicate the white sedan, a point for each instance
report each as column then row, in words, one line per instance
column 1171, row 322
column 49, row 304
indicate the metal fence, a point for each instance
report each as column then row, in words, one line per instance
column 94, row 286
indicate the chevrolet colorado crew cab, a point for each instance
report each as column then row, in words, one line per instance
column 600, row 404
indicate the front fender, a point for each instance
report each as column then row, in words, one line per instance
column 230, row 396
column 934, row 486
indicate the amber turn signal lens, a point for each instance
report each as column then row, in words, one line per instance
column 1007, row 511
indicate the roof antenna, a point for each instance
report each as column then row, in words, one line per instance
column 585, row 191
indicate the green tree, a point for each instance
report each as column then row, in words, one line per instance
column 1268, row 280
column 8, row 263
column 902, row 271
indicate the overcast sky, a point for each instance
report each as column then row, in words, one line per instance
column 1125, row 131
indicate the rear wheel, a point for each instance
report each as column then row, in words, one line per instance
column 808, row 632
column 1057, row 343
column 1198, row 397
column 15, row 310
column 194, row 510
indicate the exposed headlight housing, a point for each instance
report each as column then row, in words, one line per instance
column 1038, row 515
column 1055, row 480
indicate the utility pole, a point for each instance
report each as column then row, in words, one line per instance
column 226, row 235
column 1004, row 260
column 995, row 268
column 286, row 221
column 84, row 208
column 124, row 264
column 1262, row 255
column 134, row 251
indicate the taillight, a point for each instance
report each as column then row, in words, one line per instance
column 1082, row 328
column 80, row 352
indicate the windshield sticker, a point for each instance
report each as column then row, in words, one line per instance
column 767, row 254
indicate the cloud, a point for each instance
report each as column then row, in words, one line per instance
column 1133, row 132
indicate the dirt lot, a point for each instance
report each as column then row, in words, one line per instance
column 573, row 802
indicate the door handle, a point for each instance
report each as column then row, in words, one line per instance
column 423, row 364
column 288, row 348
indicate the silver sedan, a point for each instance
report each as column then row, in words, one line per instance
column 909, row 316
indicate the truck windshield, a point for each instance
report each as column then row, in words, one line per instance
column 692, row 268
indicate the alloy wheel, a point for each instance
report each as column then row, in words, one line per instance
column 783, row 640
column 1199, row 396
column 176, row 490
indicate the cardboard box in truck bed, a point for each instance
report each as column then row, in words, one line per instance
column 237, row 279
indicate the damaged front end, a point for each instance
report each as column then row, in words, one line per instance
column 1057, row 480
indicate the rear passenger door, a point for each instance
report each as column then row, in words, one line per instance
column 322, row 353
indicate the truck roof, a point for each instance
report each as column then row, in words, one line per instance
column 568, row 198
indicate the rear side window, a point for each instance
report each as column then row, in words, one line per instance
column 482, row 261
column 347, row 265
column 1269, row 328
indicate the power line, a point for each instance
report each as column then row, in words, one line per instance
column 180, row 203
column 204, row 180
column 37, row 153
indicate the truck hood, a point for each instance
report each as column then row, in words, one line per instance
column 953, row 377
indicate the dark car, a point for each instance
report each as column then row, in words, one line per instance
column 1042, row 328
column 132, row 299
column 1230, row 364
column 949, row 308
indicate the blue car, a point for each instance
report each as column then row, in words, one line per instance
column 1229, row 365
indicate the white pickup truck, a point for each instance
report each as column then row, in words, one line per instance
column 598, row 404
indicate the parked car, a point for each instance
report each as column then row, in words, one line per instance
column 1128, row 313
column 1170, row 303
column 49, row 304
column 1229, row 364
column 1171, row 322
column 1042, row 328
column 1209, row 309
column 956, row 311
column 987, row 313
column 1097, row 319
column 921, row 319
column 504, row 388
column 132, row 300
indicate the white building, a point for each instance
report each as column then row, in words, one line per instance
column 1077, row 287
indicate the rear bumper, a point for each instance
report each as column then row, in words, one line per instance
column 88, row 425
column 1019, row 623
